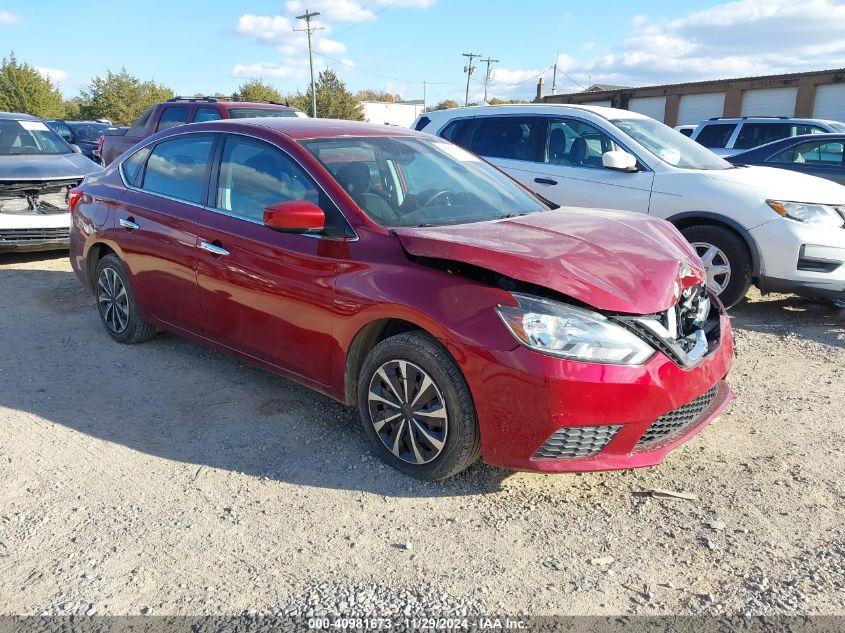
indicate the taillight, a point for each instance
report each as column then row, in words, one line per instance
column 73, row 198
column 100, row 142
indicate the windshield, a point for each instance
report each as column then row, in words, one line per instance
column 246, row 113
column 87, row 132
column 29, row 137
column 416, row 182
column 670, row 146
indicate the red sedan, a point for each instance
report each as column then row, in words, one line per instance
column 397, row 272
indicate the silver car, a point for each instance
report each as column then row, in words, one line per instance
column 37, row 169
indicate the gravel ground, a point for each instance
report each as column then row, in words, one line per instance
column 168, row 479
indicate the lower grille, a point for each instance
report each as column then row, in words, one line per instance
column 672, row 423
column 577, row 441
column 17, row 236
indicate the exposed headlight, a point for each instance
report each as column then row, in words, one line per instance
column 823, row 214
column 561, row 330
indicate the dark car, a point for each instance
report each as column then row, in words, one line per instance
column 84, row 134
column 813, row 154
column 399, row 272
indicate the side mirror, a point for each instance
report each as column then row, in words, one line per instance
column 75, row 148
column 295, row 216
column 619, row 160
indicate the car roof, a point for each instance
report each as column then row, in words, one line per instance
column 536, row 108
column 18, row 116
column 299, row 129
column 830, row 137
column 765, row 119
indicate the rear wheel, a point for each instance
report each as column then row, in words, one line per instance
column 417, row 409
column 117, row 304
column 725, row 258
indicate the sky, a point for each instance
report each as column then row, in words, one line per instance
column 396, row 45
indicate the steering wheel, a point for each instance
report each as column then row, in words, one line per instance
column 447, row 196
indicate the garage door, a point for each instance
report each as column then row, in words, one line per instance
column 769, row 102
column 830, row 102
column 605, row 104
column 696, row 108
column 655, row 107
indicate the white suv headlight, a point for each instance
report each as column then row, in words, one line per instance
column 823, row 214
column 562, row 330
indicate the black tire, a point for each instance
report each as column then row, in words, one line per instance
column 462, row 444
column 124, row 323
column 736, row 253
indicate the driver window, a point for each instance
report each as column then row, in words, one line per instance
column 574, row 143
column 254, row 175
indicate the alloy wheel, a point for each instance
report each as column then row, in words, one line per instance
column 716, row 264
column 408, row 411
column 113, row 300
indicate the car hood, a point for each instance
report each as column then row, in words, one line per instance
column 782, row 184
column 46, row 167
column 611, row 260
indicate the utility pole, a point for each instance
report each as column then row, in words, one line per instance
column 425, row 102
column 469, row 69
column 307, row 17
column 554, row 79
column 488, row 61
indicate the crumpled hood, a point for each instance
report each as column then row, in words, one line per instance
column 782, row 184
column 611, row 260
column 46, row 167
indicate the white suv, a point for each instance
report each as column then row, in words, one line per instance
column 782, row 230
column 727, row 137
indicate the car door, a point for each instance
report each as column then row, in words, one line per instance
column 265, row 293
column 156, row 224
column 822, row 158
column 507, row 141
column 571, row 172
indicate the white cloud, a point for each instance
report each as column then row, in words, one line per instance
column 291, row 45
column 732, row 39
column 55, row 75
column 8, row 18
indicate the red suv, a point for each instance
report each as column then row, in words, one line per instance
column 394, row 271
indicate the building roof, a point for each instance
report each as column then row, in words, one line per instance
column 610, row 90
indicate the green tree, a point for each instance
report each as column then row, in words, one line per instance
column 72, row 109
column 448, row 103
column 334, row 101
column 378, row 95
column 257, row 90
column 121, row 97
column 23, row 89
column 497, row 101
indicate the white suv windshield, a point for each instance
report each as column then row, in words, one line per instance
column 670, row 146
column 417, row 182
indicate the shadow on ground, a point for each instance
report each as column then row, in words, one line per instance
column 792, row 315
column 179, row 401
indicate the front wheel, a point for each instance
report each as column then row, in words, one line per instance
column 417, row 409
column 725, row 259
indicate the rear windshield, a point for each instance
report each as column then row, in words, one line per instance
column 246, row 113
column 19, row 138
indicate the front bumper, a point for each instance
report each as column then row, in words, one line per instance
column 34, row 239
column 524, row 398
column 804, row 259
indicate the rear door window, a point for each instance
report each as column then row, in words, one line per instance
column 756, row 134
column 716, row 135
column 179, row 167
column 134, row 165
column 207, row 114
column 504, row 137
column 172, row 116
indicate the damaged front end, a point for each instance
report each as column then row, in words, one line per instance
column 34, row 215
column 41, row 197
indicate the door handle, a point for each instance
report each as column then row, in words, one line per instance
column 128, row 224
column 214, row 249
column 545, row 181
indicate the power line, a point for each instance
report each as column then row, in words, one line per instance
column 381, row 76
column 360, row 22
column 309, row 30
